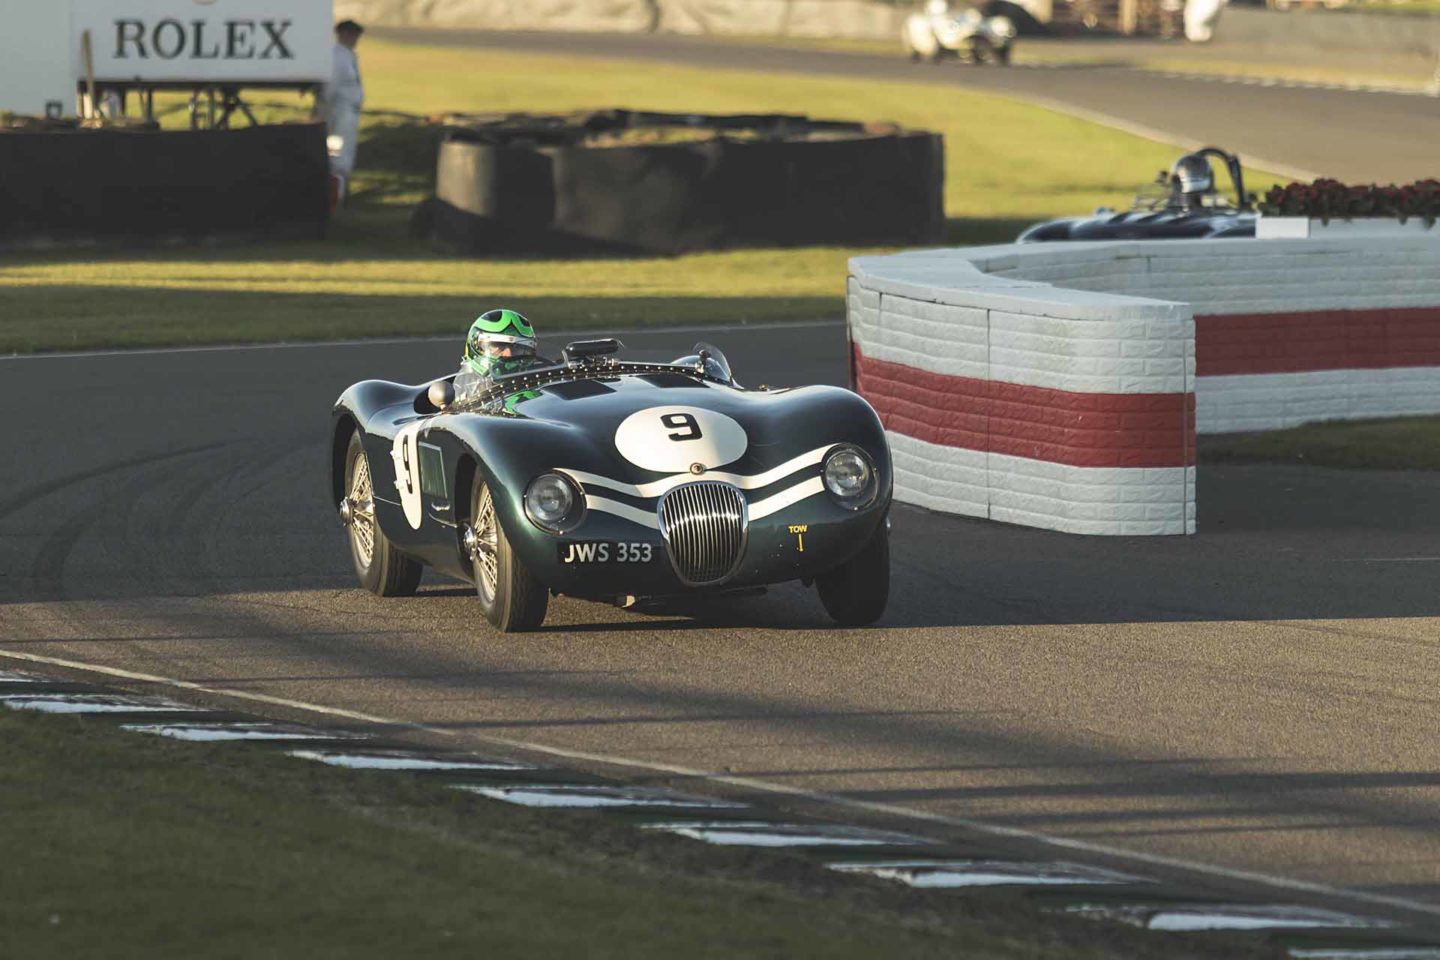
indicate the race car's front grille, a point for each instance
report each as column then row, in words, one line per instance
column 704, row 526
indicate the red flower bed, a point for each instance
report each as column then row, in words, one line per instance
column 1325, row 200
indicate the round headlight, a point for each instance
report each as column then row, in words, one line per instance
column 552, row 503
column 848, row 475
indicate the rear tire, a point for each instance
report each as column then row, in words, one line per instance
column 383, row 570
column 856, row 592
column 512, row 598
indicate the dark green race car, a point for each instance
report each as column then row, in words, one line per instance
column 611, row 480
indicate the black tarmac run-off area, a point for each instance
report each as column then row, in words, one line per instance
column 1259, row 697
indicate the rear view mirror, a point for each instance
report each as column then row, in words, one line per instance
column 581, row 350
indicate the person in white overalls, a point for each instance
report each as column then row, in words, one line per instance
column 339, row 101
column 1200, row 18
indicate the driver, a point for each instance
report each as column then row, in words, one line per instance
column 1192, row 180
column 500, row 342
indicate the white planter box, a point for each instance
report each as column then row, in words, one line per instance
column 1302, row 228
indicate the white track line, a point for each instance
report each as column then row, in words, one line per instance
column 437, row 338
column 1358, row 86
column 1389, row 560
column 1151, row 133
column 765, row 786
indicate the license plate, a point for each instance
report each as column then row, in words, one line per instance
column 606, row 551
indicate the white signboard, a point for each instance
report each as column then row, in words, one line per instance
column 205, row 41
column 35, row 69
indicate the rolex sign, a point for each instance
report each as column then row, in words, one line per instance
column 207, row 41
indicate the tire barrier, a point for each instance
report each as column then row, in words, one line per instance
column 82, row 186
column 1062, row 385
column 668, row 183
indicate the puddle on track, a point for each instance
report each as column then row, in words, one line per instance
column 223, row 732
column 598, row 796
column 1191, row 918
column 93, row 703
column 949, row 874
column 412, row 762
column 761, row 834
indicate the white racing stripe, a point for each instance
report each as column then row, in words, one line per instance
column 786, row 498
column 646, row 518
column 779, row 789
column 658, row 488
column 759, row 510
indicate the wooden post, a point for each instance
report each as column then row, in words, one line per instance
column 93, row 108
column 1129, row 16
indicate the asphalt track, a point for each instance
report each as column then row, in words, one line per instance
column 1256, row 698
column 1294, row 130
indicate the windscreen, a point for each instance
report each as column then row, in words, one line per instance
column 715, row 363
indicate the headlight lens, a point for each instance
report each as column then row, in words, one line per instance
column 849, row 476
column 552, row 503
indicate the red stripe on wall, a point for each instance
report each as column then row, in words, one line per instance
column 1059, row 426
column 1317, row 340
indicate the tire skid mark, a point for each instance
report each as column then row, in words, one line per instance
column 39, row 491
column 184, row 551
column 47, row 571
column 205, row 546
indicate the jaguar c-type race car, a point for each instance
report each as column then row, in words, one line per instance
column 1181, row 204
column 937, row 32
column 604, row 479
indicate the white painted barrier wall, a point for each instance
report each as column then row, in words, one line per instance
column 1062, row 385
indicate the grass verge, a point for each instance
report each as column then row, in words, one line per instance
column 1008, row 164
column 1402, row 443
column 120, row 845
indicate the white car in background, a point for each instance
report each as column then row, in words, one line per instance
column 938, row 32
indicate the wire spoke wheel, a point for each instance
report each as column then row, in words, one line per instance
column 382, row 569
column 511, row 596
column 485, row 548
column 362, row 526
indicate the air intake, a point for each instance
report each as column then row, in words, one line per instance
column 704, row 526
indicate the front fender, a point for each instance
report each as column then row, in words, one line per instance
column 352, row 412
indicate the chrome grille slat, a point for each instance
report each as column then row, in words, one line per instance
column 704, row 525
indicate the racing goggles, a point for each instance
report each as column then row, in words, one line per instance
column 501, row 345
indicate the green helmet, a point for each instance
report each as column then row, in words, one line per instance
column 497, row 336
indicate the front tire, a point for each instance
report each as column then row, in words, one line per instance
column 511, row 596
column 856, row 592
column 383, row 570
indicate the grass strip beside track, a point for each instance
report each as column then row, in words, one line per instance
column 1401, row 443
column 1008, row 164
column 121, row 845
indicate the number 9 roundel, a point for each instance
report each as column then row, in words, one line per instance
column 672, row 439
